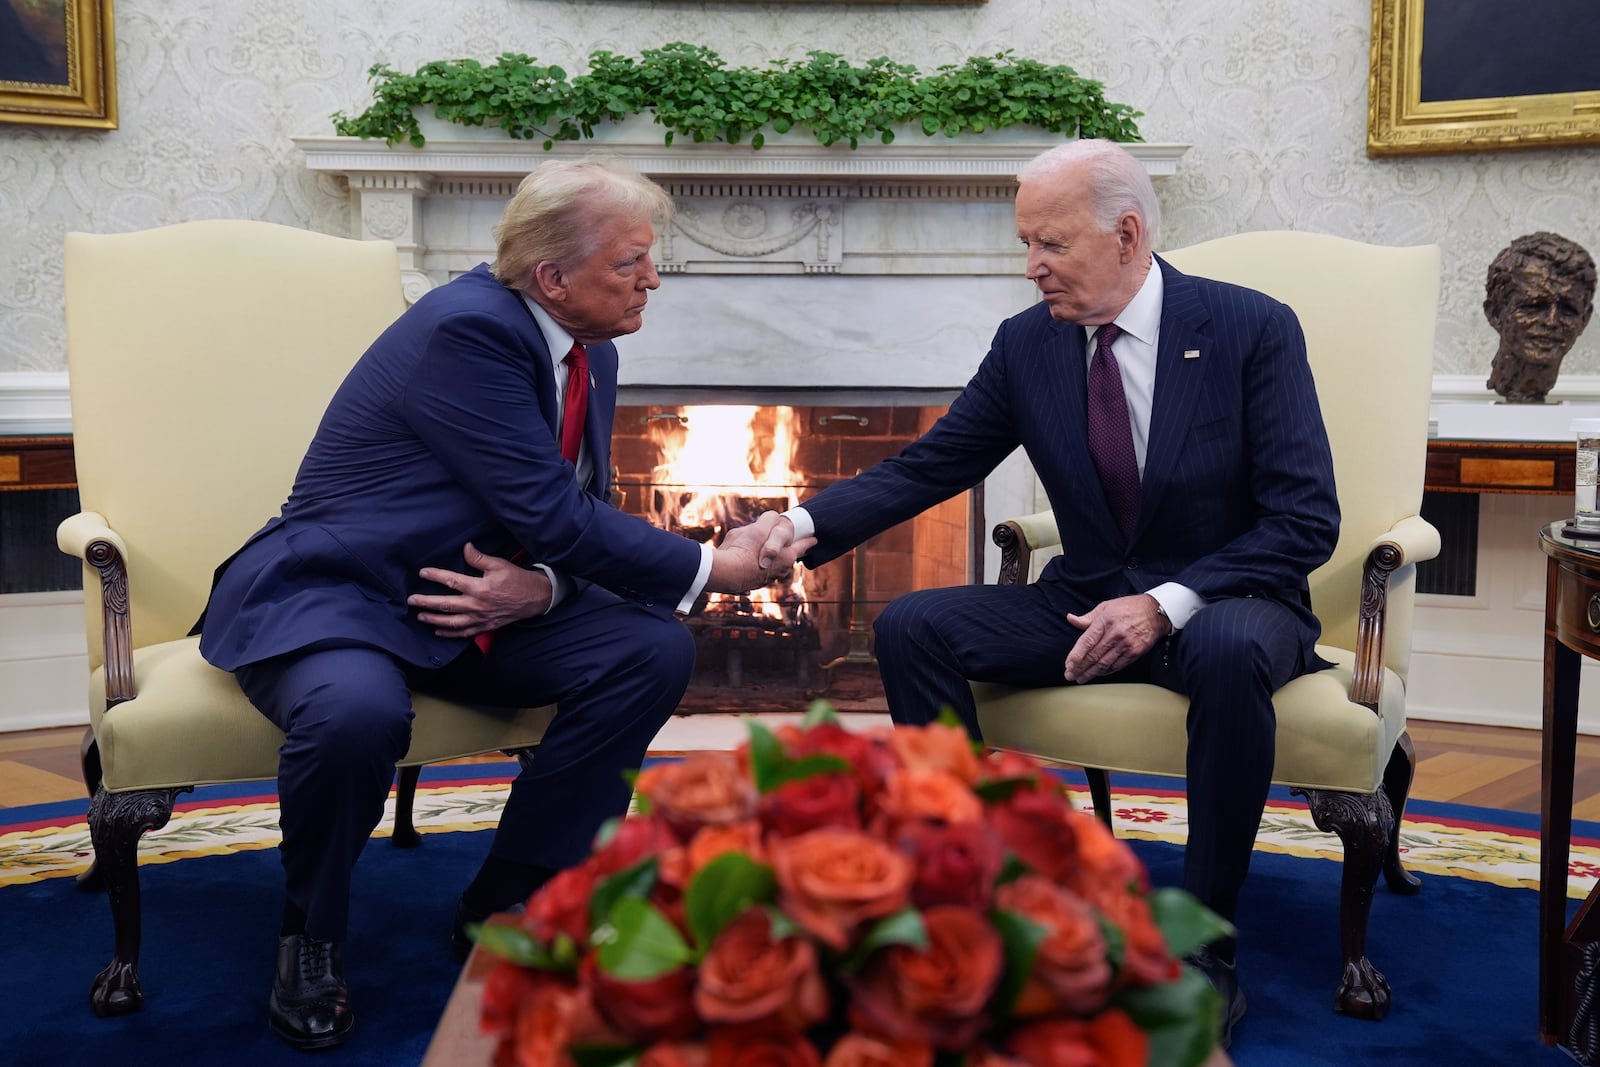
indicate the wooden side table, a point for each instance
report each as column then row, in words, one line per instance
column 1571, row 631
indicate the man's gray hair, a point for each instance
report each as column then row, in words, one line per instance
column 555, row 211
column 1118, row 182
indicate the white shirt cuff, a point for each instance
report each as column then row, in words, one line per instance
column 804, row 525
column 1178, row 601
column 687, row 603
column 560, row 585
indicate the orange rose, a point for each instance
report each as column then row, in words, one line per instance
column 813, row 803
column 830, row 881
column 544, row 1028
column 675, row 1054
column 1070, row 970
column 747, row 976
column 917, row 794
column 703, row 789
column 746, row 1047
column 955, row 863
column 1001, row 765
column 1110, row 1039
column 1042, row 830
column 862, row 1050
column 1146, row 959
column 936, row 747
column 561, row 906
column 1104, row 863
column 659, row 1009
column 936, row 995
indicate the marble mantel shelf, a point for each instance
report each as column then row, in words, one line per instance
column 911, row 158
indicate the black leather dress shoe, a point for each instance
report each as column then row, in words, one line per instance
column 1224, row 978
column 310, row 1004
column 460, row 941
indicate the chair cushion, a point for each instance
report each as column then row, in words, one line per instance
column 192, row 725
column 1324, row 740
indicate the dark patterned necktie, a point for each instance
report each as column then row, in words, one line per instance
column 1111, row 434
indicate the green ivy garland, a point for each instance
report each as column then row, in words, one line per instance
column 694, row 94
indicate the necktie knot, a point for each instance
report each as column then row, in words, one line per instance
column 1105, row 336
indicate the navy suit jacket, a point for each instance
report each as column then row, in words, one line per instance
column 1237, row 496
column 444, row 432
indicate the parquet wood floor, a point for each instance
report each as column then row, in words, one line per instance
column 1486, row 766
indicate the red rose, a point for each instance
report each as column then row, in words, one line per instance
column 812, row 803
column 867, row 752
column 659, row 1009
column 934, row 996
column 748, row 977
column 955, row 864
column 1041, row 829
column 746, row 1047
column 863, row 1050
column 638, row 837
column 675, row 1054
column 506, row 988
column 1146, row 959
column 561, row 906
column 1003, row 765
column 1110, row 1039
column 831, row 881
column 543, row 1029
column 1070, row 970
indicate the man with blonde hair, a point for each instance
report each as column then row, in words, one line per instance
column 473, row 436
column 1174, row 425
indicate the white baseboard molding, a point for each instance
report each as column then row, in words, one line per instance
column 44, row 670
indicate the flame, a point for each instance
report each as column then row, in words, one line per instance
column 721, row 466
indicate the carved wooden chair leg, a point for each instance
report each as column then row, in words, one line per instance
column 1397, row 777
column 1100, row 793
column 116, row 822
column 524, row 756
column 1365, row 823
column 405, row 803
column 90, row 880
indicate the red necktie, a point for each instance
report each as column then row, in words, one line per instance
column 574, row 410
column 1110, row 434
column 576, row 407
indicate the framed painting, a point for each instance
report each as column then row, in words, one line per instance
column 1470, row 75
column 57, row 63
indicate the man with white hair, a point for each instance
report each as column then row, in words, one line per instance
column 1173, row 423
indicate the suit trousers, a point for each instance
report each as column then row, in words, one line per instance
column 1228, row 660
column 614, row 670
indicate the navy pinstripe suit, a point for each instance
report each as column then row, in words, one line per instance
column 1236, row 502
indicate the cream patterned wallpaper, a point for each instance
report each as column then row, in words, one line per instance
column 1271, row 94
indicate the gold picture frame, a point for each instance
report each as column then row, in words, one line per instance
column 1400, row 122
column 58, row 63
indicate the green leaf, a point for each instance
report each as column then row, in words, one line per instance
column 948, row 717
column 1021, row 938
column 721, row 891
column 818, row 713
column 797, row 770
column 1011, row 869
column 636, row 881
column 1184, row 922
column 904, row 927
column 638, row 942
column 766, row 755
column 604, row 1055
column 513, row 943
column 1181, row 1017
column 998, row 789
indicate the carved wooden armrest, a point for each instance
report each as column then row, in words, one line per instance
column 87, row 536
column 1018, row 538
column 1409, row 542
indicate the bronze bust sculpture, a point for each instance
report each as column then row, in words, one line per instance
column 1539, row 296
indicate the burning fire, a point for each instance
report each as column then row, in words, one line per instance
column 722, row 465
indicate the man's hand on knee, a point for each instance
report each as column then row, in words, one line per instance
column 503, row 594
column 1115, row 633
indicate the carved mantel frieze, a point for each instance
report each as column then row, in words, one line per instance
column 919, row 206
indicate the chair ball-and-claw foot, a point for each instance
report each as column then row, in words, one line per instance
column 116, row 990
column 1363, row 991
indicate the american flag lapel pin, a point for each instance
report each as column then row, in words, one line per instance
column 1191, row 353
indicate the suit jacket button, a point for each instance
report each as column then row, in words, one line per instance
column 434, row 660
column 1133, row 563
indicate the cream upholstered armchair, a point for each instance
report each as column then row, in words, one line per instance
column 1368, row 314
column 201, row 356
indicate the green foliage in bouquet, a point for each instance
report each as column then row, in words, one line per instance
column 829, row 898
column 694, row 94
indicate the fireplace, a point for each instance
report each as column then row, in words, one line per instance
column 845, row 285
column 698, row 469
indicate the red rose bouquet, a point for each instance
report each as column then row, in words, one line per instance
column 829, row 898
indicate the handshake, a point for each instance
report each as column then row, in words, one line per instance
column 751, row 556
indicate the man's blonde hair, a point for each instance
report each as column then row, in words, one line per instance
column 555, row 212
